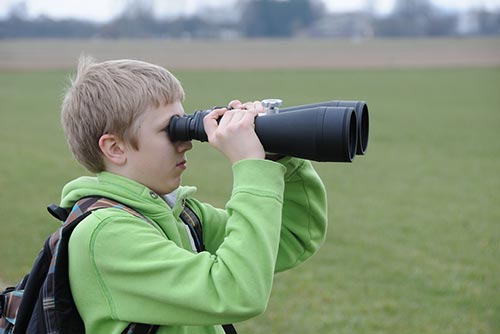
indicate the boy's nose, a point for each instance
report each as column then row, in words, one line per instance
column 184, row 146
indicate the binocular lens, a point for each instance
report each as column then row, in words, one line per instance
column 361, row 109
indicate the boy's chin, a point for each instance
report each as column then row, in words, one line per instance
column 168, row 189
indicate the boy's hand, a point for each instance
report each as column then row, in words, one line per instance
column 234, row 135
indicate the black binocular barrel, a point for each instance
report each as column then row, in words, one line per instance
column 361, row 109
column 320, row 134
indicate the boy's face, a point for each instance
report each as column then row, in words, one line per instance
column 158, row 163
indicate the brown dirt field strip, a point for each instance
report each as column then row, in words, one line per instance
column 258, row 54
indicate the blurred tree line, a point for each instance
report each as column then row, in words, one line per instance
column 261, row 18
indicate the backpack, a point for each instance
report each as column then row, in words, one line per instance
column 42, row 302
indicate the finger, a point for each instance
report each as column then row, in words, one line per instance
column 248, row 105
column 226, row 118
column 243, row 117
column 254, row 105
column 216, row 114
column 239, row 114
column 235, row 104
column 249, row 116
column 259, row 107
column 210, row 121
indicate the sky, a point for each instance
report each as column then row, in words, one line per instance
column 103, row 10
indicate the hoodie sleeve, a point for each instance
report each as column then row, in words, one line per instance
column 304, row 216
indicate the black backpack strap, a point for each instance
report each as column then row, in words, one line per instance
column 190, row 218
column 229, row 329
column 136, row 328
column 89, row 204
column 58, row 212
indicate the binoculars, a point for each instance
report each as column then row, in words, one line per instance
column 332, row 131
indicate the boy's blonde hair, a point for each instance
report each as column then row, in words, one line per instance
column 110, row 97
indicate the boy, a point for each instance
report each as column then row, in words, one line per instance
column 125, row 270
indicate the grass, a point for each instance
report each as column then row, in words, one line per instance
column 414, row 236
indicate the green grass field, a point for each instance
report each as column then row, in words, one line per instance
column 414, row 238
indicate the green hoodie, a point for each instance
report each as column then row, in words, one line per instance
column 124, row 270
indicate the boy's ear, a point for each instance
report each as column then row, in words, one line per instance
column 113, row 149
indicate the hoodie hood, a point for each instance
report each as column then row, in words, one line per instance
column 125, row 191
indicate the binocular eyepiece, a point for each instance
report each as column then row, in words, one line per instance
column 333, row 131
